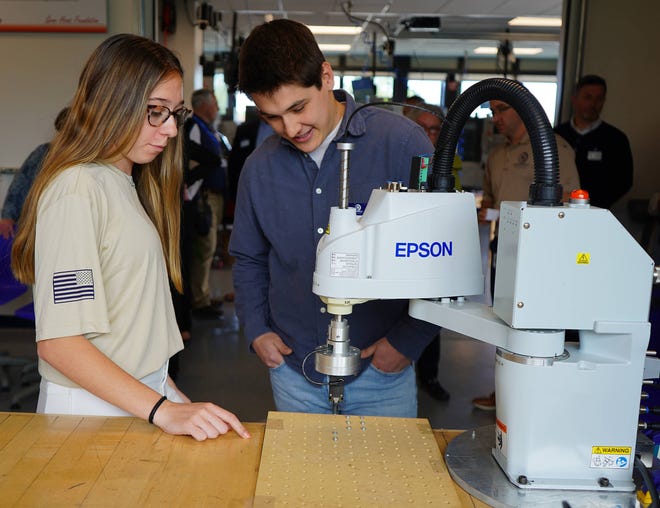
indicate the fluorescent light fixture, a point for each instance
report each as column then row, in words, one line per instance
column 527, row 51
column 335, row 30
column 485, row 50
column 535, row 21
column 490, row 50
column 334, row 47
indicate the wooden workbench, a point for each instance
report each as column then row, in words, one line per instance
column 54, row 461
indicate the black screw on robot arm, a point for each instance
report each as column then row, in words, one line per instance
column 545, row 189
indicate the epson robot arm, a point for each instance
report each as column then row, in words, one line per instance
column 560, row 266
column 405, row 245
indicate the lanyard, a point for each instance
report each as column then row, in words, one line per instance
column 214, row 138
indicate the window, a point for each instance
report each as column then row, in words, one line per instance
column 428, row 89
column 544, row 91
column 384, row 86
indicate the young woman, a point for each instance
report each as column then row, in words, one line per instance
column 99, row 237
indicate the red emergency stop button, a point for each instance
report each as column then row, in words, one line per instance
column 579, row 197
column 579, row 194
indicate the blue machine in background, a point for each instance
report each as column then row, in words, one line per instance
column 15, row 298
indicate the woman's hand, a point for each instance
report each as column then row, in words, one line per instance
column 201, row 420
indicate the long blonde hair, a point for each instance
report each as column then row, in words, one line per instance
column 107, row 112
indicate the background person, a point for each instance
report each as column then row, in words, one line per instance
column 205, row 152
column 99, row 236
column 602, row 152
column 249, row 135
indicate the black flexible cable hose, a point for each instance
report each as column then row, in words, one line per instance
column 545, row 189
column 648, row 480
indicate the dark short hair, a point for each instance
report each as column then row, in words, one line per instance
column 280, row 52
column 590, row 79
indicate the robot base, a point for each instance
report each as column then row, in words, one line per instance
column 472, row 466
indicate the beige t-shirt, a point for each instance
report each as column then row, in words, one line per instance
column 510, row 171
column 100, row 272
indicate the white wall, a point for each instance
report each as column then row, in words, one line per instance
column 40, row 71
column 622, row 44
column 39, row 74
column 187, row 43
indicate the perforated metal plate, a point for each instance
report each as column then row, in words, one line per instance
column 336, row 460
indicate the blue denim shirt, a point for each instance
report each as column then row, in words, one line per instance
column 282, row 210
column 22, row 181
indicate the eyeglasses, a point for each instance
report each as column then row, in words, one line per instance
column 431, row 130
column 500, row 110
column 158, row 115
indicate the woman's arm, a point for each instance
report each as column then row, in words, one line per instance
column 85, row 365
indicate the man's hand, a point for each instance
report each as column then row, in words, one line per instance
column 6, row 228
column 270, row 349
column 385, row 357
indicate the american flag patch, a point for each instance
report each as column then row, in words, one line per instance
column 73, row 286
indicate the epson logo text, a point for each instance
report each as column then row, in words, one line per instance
column 423, row 249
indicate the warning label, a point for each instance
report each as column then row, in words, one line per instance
column 611, row 450
column 611, row 457
column 501, row 437
column 583, row 258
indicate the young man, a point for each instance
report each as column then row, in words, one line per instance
column 285, row 192
column 602, row 152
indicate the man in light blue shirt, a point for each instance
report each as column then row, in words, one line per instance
column 285, row 193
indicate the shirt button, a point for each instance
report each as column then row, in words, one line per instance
column 319, row 191
column 319, row 231
column 322, row 309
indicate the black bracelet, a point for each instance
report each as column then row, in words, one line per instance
column 155, row 408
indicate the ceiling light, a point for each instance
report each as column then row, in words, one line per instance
column 334, row 47
column 527, row 51
column 485, row 50
column 535, row 21
column 490, row 50
column 335, row 30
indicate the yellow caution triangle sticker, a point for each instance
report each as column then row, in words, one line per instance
column 583, row 258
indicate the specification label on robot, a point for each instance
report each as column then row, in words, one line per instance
column 611, row 457
column 344, row 265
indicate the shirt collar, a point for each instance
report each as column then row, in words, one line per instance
column 589, row 128
column 524, row 139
